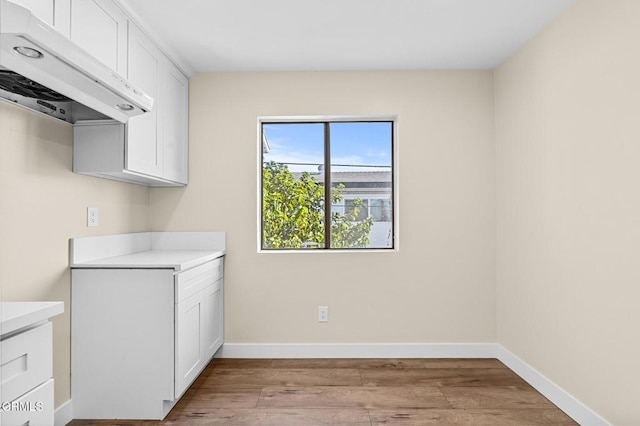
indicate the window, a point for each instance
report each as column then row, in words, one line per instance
column 326, row 184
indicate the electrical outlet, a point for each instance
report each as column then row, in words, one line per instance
column 92, row 217
column 323, row 314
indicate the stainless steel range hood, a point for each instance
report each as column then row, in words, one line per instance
column 43, row 70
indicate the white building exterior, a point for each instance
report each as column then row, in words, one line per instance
column 374, row 188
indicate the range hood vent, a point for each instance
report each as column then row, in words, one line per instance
column 43, row 70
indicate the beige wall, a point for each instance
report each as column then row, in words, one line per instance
column 568, row 210
column 42, row 205
column 440, row 286
column 568, row 174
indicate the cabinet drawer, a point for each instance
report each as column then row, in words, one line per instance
column 26, row 361
column 33, row 409
column 194, row 280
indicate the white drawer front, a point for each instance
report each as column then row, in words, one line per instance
column 194, row 280
column 33, row 409
column 26, row 361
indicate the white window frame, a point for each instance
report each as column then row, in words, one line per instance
column 330, row 118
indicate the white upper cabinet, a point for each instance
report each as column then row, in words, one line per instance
column 144, row 150
column 157, row 141
column 173, row 107
column 150, row 149
column 43, row 9
column 100, row 28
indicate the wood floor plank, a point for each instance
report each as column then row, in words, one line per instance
column 220, row 397
column 441, row 377
column 495, row 397
column 242, row 362
column 261, row 377
column 462, row 363
column 352, row 397
column 275, row 417
column 416, row 417
column 87, row 422
column 387, row 363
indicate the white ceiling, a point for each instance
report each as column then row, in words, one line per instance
column 306, row 35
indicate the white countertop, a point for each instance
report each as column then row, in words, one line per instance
column 17, row 315
column 178, row 260
column 151, row 250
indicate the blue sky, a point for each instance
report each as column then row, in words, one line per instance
column 367, row 143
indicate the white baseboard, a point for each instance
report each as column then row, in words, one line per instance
column 63, row 414
column 358, row 350
column 561, row 398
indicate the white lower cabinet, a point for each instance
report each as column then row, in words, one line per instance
column 32, row 409
column 26, row 366
column 26, row 361
column 198, row 320
column 140, row 337
column 213, row 308
column 189, row 331
column 198, row 333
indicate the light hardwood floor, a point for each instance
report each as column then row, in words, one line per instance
column 358, row 392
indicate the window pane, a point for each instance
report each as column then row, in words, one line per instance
column 361, row 185
column 357, row 208
column 292, row 186
column 380, row 210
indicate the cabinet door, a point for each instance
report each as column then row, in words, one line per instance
column 213, row 321
column 43, row 9
column 100, row 28
column 199, row 333
column 189, row 329
column 173, row 109
column 143, row 153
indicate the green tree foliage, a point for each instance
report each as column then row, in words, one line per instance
column 293, row 213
